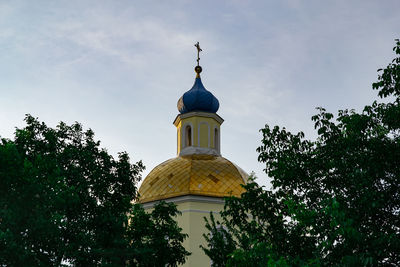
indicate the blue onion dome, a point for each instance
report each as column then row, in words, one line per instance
column 198, row 98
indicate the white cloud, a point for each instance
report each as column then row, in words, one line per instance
column 114, row 65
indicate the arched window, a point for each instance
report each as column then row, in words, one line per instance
column 216, row 139
column 188, row 136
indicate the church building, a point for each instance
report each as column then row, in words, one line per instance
column 198, row 178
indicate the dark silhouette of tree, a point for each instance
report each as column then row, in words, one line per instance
column 335, row 201
column 65, row 200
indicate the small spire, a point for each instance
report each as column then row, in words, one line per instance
column 198, row 68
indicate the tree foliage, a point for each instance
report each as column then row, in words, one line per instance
column 64, row 200
column 335, row 201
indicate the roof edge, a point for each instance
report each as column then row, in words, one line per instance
column 180, row 117
column 185, row 198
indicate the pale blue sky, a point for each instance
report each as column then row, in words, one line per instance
column 119, row 67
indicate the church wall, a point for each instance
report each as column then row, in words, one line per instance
column 192, row 223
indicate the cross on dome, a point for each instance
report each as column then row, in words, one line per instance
column 198, row 98
column 197, row 45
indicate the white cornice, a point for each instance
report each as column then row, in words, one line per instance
column 215, row 116
column 187, row 198
column 194, row 150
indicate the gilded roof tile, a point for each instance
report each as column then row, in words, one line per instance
column 193, row 175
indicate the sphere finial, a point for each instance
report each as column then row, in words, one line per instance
column 198, row 70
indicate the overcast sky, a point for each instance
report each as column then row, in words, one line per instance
column 119, row 67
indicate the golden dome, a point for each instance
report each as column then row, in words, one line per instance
column 203, row 175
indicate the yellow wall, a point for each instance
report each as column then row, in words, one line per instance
column 204, row 134
column 206, row 126
column 192, row 223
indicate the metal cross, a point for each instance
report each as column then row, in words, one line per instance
column 197, row 45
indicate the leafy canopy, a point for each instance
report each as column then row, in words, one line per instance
column 335, row 201
column 65, row 200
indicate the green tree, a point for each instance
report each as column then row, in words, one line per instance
column 335, row 201
column 65, row 200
